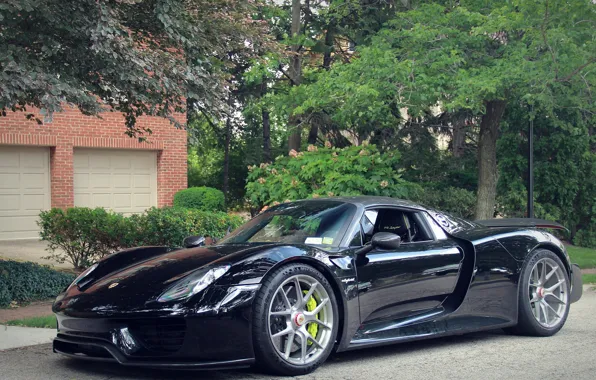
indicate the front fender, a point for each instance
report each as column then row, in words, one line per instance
column 338, row 269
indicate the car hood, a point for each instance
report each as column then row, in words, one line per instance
column 115, row 286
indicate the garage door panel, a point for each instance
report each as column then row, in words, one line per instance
column 9, row 159
column 81, row 161
column 122, row 181
column 122, row 201
column 97, row 161
column 10, row 202
column 100, row 181
column 33, row 202
column 34, row 160
column 102, row 200
column 18, row 227
column 81, row 181
column 125, row 181
column 142, row 201
column 142, row 181
column 9, row 181
column 121, row 162
column 33, row 181
column 82, row 199
column 24, row 190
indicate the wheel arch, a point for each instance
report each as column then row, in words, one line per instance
column 557, row 251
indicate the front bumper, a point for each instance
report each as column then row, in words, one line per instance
column 216, row 336
column 88, row 349
column 576, row 283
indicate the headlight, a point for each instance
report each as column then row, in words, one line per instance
column 193, row 283
column 82, row 276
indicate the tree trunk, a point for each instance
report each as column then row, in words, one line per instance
column 266, row 135
column 295, row 139
column 329, row 43
column 487, row 159
column 313, row 133
column 226, row 168
column 459, row 138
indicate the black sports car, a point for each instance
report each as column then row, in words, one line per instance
column 306, row 278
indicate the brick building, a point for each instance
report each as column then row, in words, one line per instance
column 79, row 160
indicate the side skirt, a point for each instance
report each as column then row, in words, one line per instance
column 427, row 330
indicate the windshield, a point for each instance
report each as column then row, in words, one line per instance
column 309, row 222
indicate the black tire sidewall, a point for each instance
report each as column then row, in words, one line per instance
column 527, row 323
column 267, row 357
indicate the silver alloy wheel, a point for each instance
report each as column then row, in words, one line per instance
column 289, row 320
column 547, row 292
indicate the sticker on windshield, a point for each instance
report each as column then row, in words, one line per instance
column 328, row 240
column 313, row 240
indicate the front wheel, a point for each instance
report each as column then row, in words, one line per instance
column 544, row 295
column 295, row 320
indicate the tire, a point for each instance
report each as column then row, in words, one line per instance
column 271, row 352
column 530, row 312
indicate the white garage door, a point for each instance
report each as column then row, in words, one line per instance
column 121, row 180
column 24, row 190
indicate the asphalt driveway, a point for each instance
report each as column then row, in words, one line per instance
column 493, row 355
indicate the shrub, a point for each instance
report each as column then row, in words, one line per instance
column 27, row 282
column 325, row 172
column 200, row 198
column 586, row 237
column 82, row 236
column 169, row 226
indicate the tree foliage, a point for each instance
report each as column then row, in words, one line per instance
column 328, row 172
column 134, row 56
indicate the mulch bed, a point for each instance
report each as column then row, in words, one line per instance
column 34, row 309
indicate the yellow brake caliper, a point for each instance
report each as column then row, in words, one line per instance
column 312, row 328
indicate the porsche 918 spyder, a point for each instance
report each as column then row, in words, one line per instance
column 307, row 278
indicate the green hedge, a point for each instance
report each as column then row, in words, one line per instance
column 169, row 226
column 81, row 235
column 84, row 234
column 200, row 198
column 26, row 282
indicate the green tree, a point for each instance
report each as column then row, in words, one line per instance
column 472, row 56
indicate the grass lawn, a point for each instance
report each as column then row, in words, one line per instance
column 589, row 278
column 48, row 321
column 584, row 257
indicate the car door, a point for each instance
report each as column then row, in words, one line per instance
column 412, row 279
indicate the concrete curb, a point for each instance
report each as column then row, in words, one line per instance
column 15, row 336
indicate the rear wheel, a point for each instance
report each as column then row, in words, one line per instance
column 543, row 295
column 295, row 320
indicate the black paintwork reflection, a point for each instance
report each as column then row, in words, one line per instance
column 417, row 276
column 493, row 290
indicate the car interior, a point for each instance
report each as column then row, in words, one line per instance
column 407, row 224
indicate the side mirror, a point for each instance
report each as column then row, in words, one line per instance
column 193, row 241
column 386, row 240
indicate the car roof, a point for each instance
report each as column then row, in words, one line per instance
column 368, row 201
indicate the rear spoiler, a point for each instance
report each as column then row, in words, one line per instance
column 521, row 222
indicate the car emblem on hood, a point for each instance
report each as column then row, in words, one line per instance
column 113, row 285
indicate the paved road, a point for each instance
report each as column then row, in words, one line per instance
column 571, row 354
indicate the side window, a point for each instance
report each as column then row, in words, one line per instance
column 368, row 225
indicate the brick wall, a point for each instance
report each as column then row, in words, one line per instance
column 71, row 129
